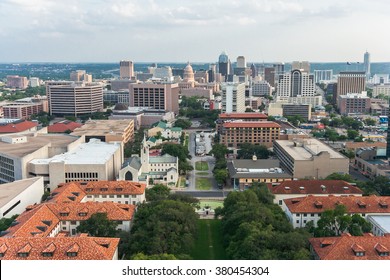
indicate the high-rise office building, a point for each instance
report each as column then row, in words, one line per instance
column 80, row 76
column 350, row 82
column 156, row 96
column 224, row 66
column 269, row 75
column 301, row 65
column 296, row 84
column 233, row 97
column 15, row 81
column 323, row 75
column 126, row 69
column 253, row 71
column 367, row 66
column 73, row 99
column 241, row 62
column 212, row 72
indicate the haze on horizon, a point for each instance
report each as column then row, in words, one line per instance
column 198, row 31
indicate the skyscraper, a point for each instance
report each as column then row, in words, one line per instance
column 350, row 82
column 126, row 69
column 224, row 65
column 296, row 83
column 367, row 65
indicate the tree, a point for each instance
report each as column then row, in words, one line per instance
column 157, row 192
column 329, row 108
column 98, row 225
column 221, row 176
column 271, row 118
column 219, row 151
column 325, row 121
column 370, row 122
column 352, row 134
column 163, row 227
column 249, row 110
column 247, row 151
column 336, row 122
column 337, row 176
column 142, row 256
column 5, row 223
column 295, row 120
column 336, row 221
column 380, row 185
column 183, row 123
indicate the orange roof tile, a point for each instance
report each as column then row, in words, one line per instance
column 264, row 124
column 17, row 127
column 347, row 247
column 63, row 126
column 354, row 204
column 314, row 187
column 59, row 248
column 76, row 191
column 44, row 218
column 242, row 116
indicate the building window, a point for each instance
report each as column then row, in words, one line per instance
column 47, row 254
column 297, row 221
column 23, row 255
column 280, row 202
column 71, row 254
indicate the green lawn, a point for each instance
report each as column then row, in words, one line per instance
column 203, row 184
column 212, row 203
column 201, row 166
column 182, row 182
column 202, row 173
column 208, row 244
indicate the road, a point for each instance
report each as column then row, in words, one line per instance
column 193, row 174
column 208, row 194
column 357, row 175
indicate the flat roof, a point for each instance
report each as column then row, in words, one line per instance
column 93, row 152
column 11, row 190
column 163, row 159
column 240, row 168
column 247, row 115
column 99, row 127
column 253, row 124
column 382, row 221
column 307, row 148
column 33, row 144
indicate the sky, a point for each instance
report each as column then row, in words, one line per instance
column 196, row 30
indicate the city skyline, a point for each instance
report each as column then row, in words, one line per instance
column 109, row 31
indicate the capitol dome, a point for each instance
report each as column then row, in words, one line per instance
column 188, row 75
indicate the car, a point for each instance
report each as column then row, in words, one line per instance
column 220, row 186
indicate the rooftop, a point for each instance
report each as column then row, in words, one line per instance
column 239, row 168
column 347, row 247
column 59, row 248
column 63, row 126
column 35, row 143
column 242, row 116
column 18, row 126
column 382, row 221
column 307, row 148
column 76, row 191
column 103, row 127
column 259, row 124
column 163, row 159
column 93, row 152
column 9, row 191
column 353, row 204
column 314, row 187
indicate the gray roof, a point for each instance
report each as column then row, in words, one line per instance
column 382, row 221
column 9, row 191
column 133, row 162
column 163, row 159
column 255, row 169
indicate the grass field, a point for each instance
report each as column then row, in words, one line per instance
column 202, row 173
column 201, row 166
column 208, row 244
column 203, row 184
column 212, row 203
column 182, row 182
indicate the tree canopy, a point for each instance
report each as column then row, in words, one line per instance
column 98, row 225
column 247, row 151
column 163, row 227
column 336, row 221
column 256, row 228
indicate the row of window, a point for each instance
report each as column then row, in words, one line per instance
column 80, row 175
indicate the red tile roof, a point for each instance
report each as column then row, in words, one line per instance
column 314, row 187
column 58, row 248
column 76, row 191
column 17, row 127
column 354, row 204
column 42, row 219
column 347, row 247
column 63, row 126
column 250, row 124
column 242, row 116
